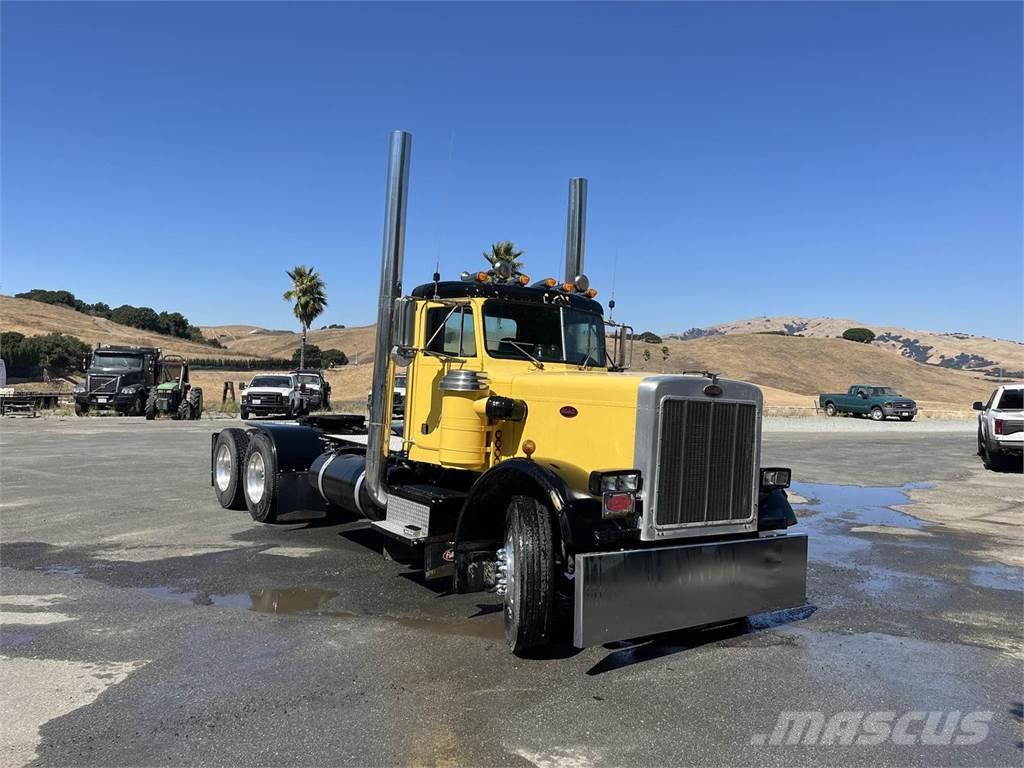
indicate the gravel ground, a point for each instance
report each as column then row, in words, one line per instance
column 844, row 425
column 144, row 625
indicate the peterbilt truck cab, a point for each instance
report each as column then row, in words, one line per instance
column 533, row 465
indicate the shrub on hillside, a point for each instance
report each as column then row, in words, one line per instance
column 649, row 338
column 332, row 358
column 861, row 335
column 56, row 351
column 314, row 356
column 168, row 323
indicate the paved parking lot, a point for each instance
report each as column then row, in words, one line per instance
column 144, row 625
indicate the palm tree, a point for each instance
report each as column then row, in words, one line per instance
column 309, row 294
column 505, row 251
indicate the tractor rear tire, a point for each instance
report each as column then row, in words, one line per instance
column 259, row 479
column 151, row 406
column 195, row 400
column 228, row 455
column 530, row 587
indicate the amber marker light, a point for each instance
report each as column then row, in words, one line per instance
column 550, row 282
column 529, row 447
column 591, row 293
column 524, row 279
column 568, row 287
column 482, row 277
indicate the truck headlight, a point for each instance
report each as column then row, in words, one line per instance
column 773, row 478
column 615, row 481
column 79, row 389
column 129, row 390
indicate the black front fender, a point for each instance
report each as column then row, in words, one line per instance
column 774, row 512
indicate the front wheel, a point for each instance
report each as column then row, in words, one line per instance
column 830, row 409
column 81, row 410
column 151, row 407
column 526, row 571
column 876, row 414
column 243, row 413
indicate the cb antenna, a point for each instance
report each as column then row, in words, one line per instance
column 615, row 267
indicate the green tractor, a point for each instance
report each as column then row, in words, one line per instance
column 173, row 395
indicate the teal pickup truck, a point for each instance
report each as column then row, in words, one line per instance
column 879, row 403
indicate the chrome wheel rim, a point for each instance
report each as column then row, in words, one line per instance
column 507, row 562
column 255, row 477
column 222, row 468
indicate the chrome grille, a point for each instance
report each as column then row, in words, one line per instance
column 706, row 457
column 102, row 384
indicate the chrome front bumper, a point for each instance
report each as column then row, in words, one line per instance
column 640, row 592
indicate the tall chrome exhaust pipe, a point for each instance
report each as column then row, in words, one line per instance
column 379, row 433
column 576, row 228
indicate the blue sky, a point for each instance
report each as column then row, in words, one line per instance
column 858, row 160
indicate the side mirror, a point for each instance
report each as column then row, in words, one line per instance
column 241, row 386
column 978, row 405
column 624, row 348
column 403, row 323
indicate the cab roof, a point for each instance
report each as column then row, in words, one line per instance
column 458, row 289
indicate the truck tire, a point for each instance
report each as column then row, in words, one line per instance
column 138, row 405
column 530, row 574
column 151, row 406
column 991, row 459
column 228, row 454
column 81, row 410
column 830, row 409
column 243, row 413
column 259, row 479
column 981, row 448
column 877, row 414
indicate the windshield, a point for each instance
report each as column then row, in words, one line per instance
column 120, row 362
column 271, row 381
column 309, row 378
column 544, row 332
column 883, row 391
column 1011, row 400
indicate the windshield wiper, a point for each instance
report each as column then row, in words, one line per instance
column 522, row 349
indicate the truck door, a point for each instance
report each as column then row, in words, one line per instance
column 451, row 331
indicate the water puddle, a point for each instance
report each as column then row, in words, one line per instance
column 998, row 576
column 293, row 600
column 61, row 570
column 832, row 510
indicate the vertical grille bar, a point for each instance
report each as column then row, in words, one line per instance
column 705, row 462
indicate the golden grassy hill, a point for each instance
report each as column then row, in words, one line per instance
column 34, row 318
column 357, row 342
column 807, row 366
column 922, row 346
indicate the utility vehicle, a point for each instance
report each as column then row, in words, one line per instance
column 1001, row 427
column 531, row 464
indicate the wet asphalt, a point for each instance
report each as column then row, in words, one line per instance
column 300, row 644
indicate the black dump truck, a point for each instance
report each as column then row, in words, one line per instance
column 119, row 378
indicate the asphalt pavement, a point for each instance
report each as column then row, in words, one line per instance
column 144, row 625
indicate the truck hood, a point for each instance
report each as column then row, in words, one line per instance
column 284, row 391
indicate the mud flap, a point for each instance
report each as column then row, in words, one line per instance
column 639, row 592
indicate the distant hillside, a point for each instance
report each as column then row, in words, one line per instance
column 961, row 351
column 34, row 318
column 808, row 366
column 357, row 343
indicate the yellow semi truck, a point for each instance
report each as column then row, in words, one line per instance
column 531, row 463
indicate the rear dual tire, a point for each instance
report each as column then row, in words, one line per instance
column 259, row 479
column 229, row 452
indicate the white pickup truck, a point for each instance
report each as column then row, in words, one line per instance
column 1001, row 427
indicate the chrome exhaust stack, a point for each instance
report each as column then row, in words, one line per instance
column 379, row 431
column 575, row 229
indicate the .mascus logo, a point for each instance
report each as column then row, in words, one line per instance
column 712, row 390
